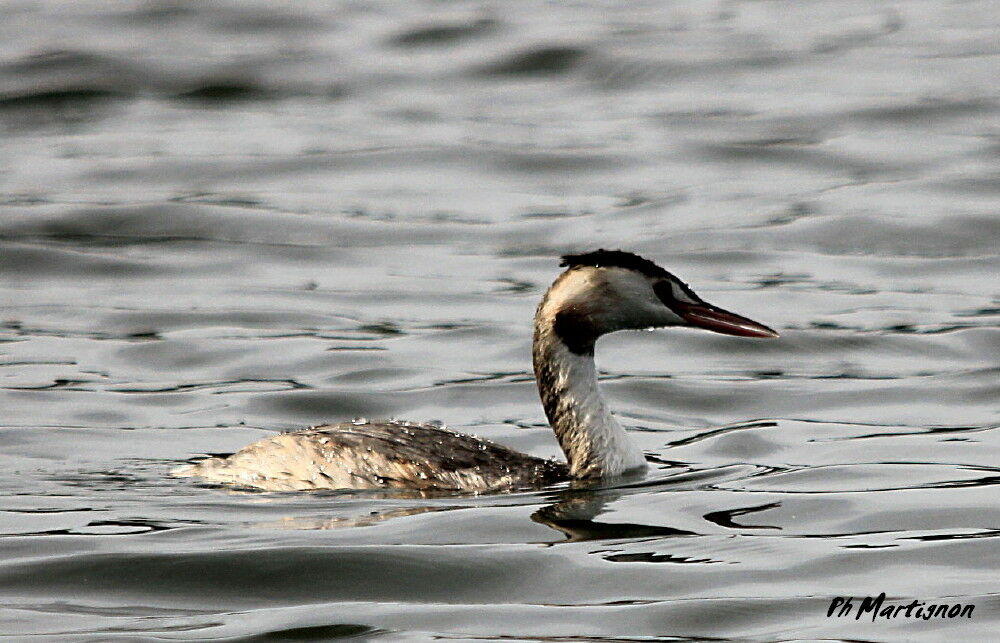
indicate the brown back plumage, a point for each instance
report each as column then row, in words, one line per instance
column 378, row 455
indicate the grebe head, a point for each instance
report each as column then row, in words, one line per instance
column 610, row 290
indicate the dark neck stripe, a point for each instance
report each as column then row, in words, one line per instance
column 575, row 331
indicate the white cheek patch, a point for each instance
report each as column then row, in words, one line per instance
column 615, row 298
column 629, row 287
column 636, row 303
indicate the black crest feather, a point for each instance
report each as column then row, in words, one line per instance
column 618, row 259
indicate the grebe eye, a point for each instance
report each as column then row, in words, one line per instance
column 665, row 292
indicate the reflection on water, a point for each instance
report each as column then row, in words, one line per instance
column 222, row 220
column 371, row 518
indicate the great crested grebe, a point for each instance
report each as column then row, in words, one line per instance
column 600, row 292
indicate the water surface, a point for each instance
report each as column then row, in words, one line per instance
column 222, row 220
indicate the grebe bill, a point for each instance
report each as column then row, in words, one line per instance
column 600, row 292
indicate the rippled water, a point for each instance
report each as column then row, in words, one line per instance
column 224, row 219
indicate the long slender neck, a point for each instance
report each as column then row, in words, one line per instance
column 594, row 443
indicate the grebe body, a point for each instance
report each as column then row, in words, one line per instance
column 599, row 292
column 379, row 455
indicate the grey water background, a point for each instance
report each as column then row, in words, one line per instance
column 219, row 220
